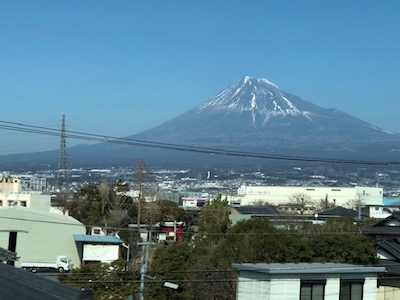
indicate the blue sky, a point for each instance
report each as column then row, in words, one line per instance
column 119, row 67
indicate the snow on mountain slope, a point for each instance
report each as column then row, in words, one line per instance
column 254, row 113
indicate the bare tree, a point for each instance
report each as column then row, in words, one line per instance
column 140, row 173
column 261, row 203
column 325, row 204
column 104, row 193
column 356, row 204
column 300, row 201
column 119, row 205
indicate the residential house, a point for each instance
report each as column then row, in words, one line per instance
column 306, row 281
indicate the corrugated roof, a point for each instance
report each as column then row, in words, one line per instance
column 97, row 239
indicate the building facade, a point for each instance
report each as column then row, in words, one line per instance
column 306, row 281
column 280, row 195
column 39, row 236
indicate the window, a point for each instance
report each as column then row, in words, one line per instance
column 351, row 289
column 312, row 290
column 23, row 203
column 1, row 203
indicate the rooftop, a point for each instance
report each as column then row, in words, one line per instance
column 306, row 268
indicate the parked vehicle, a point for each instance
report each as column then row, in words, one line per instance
column 61, row 265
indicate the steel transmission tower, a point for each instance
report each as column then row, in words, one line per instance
column 62, row 181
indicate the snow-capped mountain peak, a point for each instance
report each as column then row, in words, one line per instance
column 259, row 97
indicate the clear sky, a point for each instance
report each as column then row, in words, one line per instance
column 120, row 67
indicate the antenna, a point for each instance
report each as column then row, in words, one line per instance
column 62, row 172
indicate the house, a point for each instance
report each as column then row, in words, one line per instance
column 161, row 232
column 306, row 281
column 98, row 248
column 39, row 236
column 385, row 236
column 340, row 212
column 239, row 213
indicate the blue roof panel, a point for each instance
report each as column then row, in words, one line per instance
column 97, row 239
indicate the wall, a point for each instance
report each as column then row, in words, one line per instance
column 32, row 200
column 41, row 236
column 280, row 194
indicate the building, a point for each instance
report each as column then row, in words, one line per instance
column 24, row 191
column 21, row 184
column 249, row 212
column 39, row 236
column 280, row 195
column 306, row 281
column 98, row 248
column 32, row 200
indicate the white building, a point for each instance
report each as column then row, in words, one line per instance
column 306, row 281
column 39, row 236
column 31, row 200
column 280, row 195
column 24, row 192
column 22, row 184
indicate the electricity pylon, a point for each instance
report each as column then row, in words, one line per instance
column 62, row 180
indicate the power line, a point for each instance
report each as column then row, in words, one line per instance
column 13, row 126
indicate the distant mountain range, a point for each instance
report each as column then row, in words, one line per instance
column 252, row 115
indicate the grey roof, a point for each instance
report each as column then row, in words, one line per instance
column 339, row 211
column 19, row 284
column 28, row 214
column 256, row 210
column 307, row 268
column 97, row 239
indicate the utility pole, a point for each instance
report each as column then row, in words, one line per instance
column 143, row 268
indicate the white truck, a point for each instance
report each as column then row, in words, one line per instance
column 61, row 265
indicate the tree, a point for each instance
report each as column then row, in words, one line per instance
column 108, row 281
column 140, row 173
column 86, row 206
column 324, row 204
column 118, row 207
column 261, row 203
column 257, row 241
column 215, row 220
column 170, row 264
column 339, row 241
column 168, row 211
column 300, row 201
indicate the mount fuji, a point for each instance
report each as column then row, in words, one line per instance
column 252, row 115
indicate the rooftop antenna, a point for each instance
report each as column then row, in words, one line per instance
column 62, row 180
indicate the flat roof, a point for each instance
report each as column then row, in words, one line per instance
column 307, row 268
column 97, row 239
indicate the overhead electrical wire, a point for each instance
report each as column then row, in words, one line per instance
column 20, row 127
